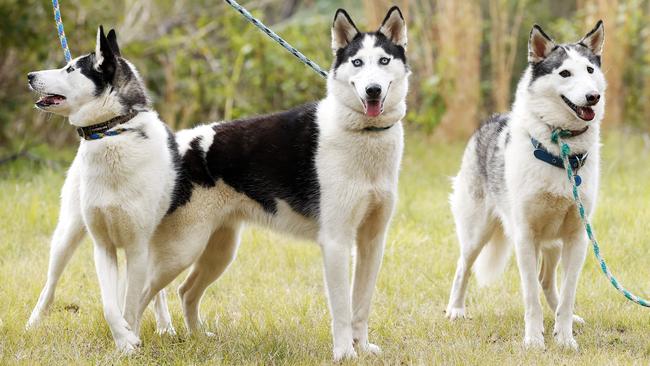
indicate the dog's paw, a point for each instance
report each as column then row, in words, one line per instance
column 566, row 341
column 165, row 330
column 534, row 343
column 370, row 348
column 128, row 343
column 34, row 319
column 344, row 353
column 578, row 320
column 455, row 313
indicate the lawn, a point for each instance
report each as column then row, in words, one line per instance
column 270, row 308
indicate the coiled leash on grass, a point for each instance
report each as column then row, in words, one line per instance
column 59, row 28
column 246, row 14
column 565, row 152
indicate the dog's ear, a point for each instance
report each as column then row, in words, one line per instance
column 112, row 42
column 595, row 39
column 343, row 30
column 540, row 45
column 394, row 27
column 105, row 60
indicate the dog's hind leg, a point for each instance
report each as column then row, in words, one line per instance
column 68, row 234
column 161, row 312
column 371, row 239
column 218, row 254
column 474, row 227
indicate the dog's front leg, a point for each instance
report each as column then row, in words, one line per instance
column 371, row 240
column 136, row 272
column 107, row 273
column 67, row 236
column 527, row 252
column 336, row 244
column 574, row 251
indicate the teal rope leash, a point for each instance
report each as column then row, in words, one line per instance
column 565, row 152
column 59, row 28
column 276, row 38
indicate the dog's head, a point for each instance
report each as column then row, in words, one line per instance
column 370, row 71
column 92, row 88
column 567, row 85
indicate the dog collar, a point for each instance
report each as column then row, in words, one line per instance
column 377, row 129
column 574, row 133
column 576, row 160
column 101, row 130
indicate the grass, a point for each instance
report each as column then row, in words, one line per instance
column 270, row 308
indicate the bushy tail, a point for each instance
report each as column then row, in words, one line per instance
column 492, row 260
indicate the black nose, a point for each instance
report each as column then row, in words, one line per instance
column 373, row 91
column 31, row 76
column 593, row 98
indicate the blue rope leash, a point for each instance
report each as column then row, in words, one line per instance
column 59, row 27
column 276, row 38
column 556, row 137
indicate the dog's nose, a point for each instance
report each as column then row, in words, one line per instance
column 592, row 98
column 31, row 76
column 373, row 91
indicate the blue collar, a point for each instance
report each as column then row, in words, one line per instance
column 576, row 160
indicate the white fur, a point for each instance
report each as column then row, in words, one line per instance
column 535, row 210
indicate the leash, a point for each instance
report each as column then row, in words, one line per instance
column 565, row 151
column 246, row 14
column 59, row 27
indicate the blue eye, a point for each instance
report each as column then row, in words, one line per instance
column 384, row 60
column 357, row 62
column 69, row 69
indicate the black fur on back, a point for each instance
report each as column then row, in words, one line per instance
column 266, row 158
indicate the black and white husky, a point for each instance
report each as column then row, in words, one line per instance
column 512, row 187
column 120, row 184
column 325, row 171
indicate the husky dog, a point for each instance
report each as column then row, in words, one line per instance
column 326, row 171
column 512, row 186
column 121, row 183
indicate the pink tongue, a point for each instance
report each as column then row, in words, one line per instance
column 586, row 113
column 373, row 109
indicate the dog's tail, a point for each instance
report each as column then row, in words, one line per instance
column 492, row 260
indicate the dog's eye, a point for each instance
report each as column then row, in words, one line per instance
column 69, row 69
column 384, row 60
column 565, row 73
column 357, row 62
column 590, row 69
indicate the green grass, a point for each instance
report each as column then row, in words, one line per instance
column 270, row 308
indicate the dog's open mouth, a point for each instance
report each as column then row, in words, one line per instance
column 373, row 108
column 584, row 113
column 48, row 100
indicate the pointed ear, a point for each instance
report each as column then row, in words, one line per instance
column 112, row 42
column 343, row 30
column 394, row 27
column 540, row 45
column 104, row 57
column 595, row 39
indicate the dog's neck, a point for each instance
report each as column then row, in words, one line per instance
column 99, row 110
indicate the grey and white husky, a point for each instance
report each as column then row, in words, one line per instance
column 123, row 180
column 325, row 171
column 512, row 187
